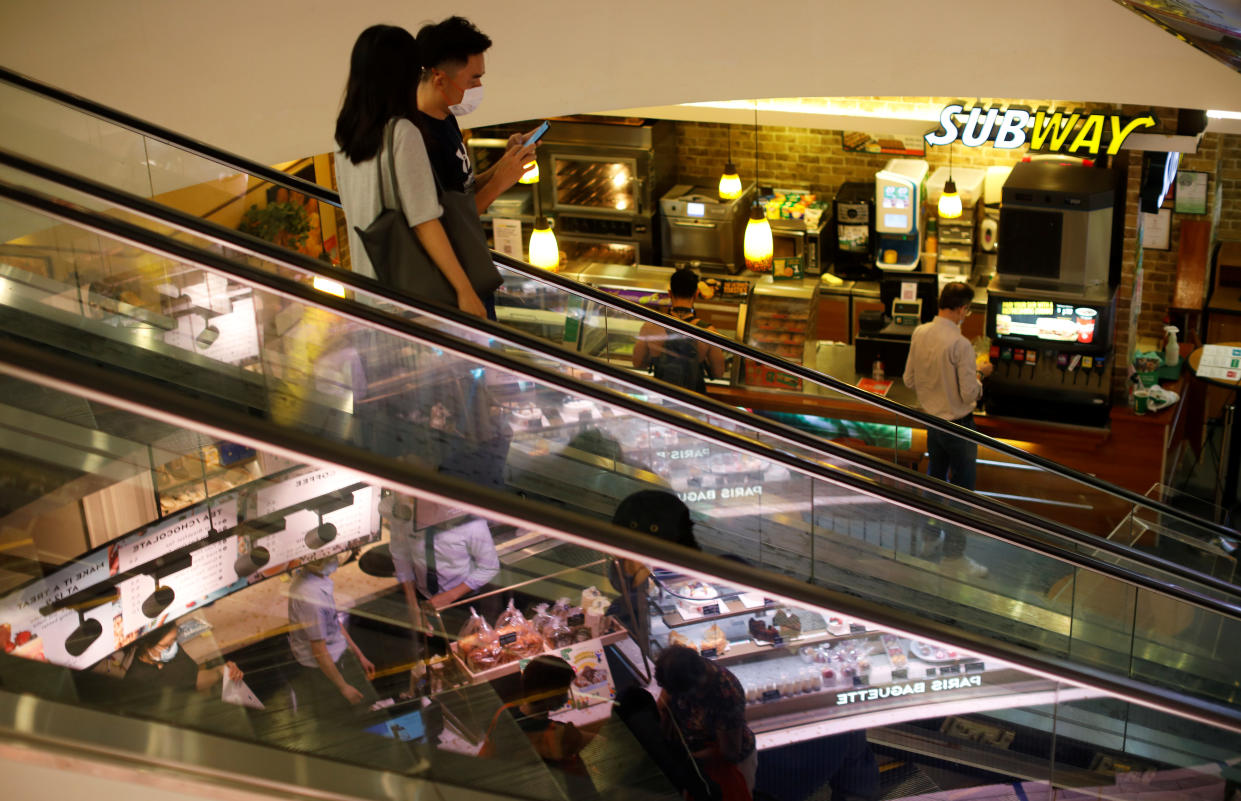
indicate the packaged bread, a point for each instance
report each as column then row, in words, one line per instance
column 515, row 636
column 477, row 644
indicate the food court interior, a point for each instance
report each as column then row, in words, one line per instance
column 205, row 413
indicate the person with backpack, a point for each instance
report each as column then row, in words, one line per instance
column 673, row 356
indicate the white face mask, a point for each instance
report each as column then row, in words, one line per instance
column 470, row 101
column 168, row 654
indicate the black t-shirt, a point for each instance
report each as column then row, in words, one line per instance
column 181, row 673
column 446, row 148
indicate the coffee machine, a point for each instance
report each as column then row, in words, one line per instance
column 900, row 190
column 853, row 215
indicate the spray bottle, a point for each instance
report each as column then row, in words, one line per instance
column 1172, row 350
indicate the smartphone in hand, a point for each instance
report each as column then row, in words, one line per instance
column 537, row 135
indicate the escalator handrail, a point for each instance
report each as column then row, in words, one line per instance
column 158, row 243
column 306, row 265
column 174, row 407
column 170, row 137
column 276, row 177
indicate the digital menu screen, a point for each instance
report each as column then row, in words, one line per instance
column 1046, row 320
column 896, row 197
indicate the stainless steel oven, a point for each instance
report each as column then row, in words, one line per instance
column 600, row 180
column 699, row 229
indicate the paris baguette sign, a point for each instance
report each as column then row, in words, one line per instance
column 1071, row 132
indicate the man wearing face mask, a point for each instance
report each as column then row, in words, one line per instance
column 944, row 373
column 334, row 673
column 451, row 86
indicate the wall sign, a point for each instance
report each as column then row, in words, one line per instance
column 1074, row 133
column 910, row 688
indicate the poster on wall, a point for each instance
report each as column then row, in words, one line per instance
column 886, row 144
column 1191, row 193
column 1157, row 230
column 190, row 558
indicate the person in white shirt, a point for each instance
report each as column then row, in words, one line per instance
column 384, row 71
column 460, row 561
column 334, row 675
column 947, row 379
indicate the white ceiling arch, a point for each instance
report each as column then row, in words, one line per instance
column 263, row 77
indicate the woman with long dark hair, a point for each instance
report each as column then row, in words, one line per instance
column 384, row 70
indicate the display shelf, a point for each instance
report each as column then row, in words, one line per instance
column 508, row 668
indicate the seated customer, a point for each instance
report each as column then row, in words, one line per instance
column 545, row 686
column 707, row 703
column 159, row 661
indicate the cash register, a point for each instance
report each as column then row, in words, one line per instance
column 909, row 300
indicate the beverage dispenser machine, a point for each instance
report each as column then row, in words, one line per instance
column 900, row 189
column 1052, row 354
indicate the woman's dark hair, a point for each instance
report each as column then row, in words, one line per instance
column 679, row 669
column 149, row 640
column 383, row 79
column 546, row 681
column 658, row 513
column 450, row 43
column 955, row 295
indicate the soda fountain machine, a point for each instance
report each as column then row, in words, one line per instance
column 1051, row 308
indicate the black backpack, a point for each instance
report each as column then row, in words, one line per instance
column 679, row 363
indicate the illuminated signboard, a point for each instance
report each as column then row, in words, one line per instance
column 1072, row 132
column 1046, row 320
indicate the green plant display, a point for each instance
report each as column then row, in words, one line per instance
column 286, row 224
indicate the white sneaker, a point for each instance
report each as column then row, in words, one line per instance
column 962, row 567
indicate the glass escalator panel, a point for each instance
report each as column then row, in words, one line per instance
column 175, row 174
column 290, row 610
column 561, row 437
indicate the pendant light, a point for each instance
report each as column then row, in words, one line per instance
column 730, row 181
column 544, row 251
column 531, row 175
column 758, row 245
column 950, row 199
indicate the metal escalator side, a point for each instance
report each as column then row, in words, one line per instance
column 271, row 258
column 831, row 526
column 918, row 706
column 159, row 163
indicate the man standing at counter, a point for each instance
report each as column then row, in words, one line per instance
column 947, row 379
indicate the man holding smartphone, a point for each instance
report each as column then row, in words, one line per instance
column 451, row 85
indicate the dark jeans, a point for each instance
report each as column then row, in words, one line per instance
column 954, row 460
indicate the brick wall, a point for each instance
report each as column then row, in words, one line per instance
column 801, row 157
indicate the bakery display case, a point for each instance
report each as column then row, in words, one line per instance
column 780, row 320
column 815, row 666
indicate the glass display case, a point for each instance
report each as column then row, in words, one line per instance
column 780, row 321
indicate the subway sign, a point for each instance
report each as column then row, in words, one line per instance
column 1074, row 133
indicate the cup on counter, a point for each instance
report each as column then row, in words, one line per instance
column 1085, row 324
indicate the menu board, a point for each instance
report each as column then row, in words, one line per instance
column 202, row 575
column 1046, row 320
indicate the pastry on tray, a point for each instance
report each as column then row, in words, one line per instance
column 714, row 637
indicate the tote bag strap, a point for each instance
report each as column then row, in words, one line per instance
column 389, row 140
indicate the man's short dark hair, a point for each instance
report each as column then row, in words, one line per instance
column 679, row 669
column 450, row 43
column 956, row 295
column 684, row 283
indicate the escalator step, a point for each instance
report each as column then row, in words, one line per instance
column 915, row 783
